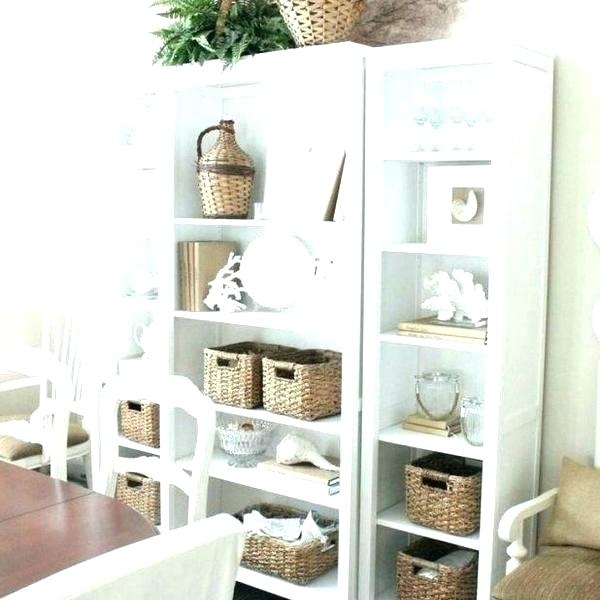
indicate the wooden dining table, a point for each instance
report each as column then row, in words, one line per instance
column 47, row 525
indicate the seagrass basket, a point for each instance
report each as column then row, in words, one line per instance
column 320, row 21
column 306, row 385
column 140, row 422
column 299, row 563
column 444, row 493
column 140, row 493
column 233, row 373
column 225, row 175
column 449, row 582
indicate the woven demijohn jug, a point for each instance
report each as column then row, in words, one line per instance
column 225, row 175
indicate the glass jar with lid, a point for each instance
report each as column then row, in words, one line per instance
column 471, row 419
column 437, row 394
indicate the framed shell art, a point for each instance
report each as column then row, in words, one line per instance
column 456, row 203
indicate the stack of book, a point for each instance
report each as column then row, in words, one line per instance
column 307, row 472
column 199, row 263
column 432, row 328
column 424, row 425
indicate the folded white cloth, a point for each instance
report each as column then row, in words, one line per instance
column 292, row 529
column 456, row 558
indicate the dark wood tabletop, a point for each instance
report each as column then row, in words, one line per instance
column 47, row 525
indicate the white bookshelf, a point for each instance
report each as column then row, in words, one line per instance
column 403, row 247
column 286, row 91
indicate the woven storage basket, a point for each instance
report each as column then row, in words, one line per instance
column 233, row 373
column 140, row 422
column 140, row 493
column 306, row 384
column 320, row 21
column 225, row 175
column 298, row 563
column 451, row 583
column 443, row 492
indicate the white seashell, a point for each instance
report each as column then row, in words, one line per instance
column 294, row 449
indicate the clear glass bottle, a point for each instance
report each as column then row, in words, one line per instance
column 437, row 394
column 471, row 419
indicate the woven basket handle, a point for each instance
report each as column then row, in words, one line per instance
column 134, row 405
column 134, row 480
column 201, row 137
column 226, row 362
column 434, row 478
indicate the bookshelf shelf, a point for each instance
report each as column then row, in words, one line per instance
column 395, row 518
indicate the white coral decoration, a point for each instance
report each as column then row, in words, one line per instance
column 225, row 290
column 455, row 297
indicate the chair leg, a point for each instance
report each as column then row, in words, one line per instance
column 87, row 463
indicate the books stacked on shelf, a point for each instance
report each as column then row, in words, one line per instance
column 199, row 263
column 446, row 428
column 306, row 471
column 432, row 328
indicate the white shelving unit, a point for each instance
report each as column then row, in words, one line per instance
column 507, row 91
column 299, row 92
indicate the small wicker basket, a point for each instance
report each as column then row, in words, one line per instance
column 140, row 493
column 233, row 373
column 451, row 583
column 306, row 384
column 444, row 493
column 320, row 21
column 225, row 175
column 293, row 561
column 140, row 422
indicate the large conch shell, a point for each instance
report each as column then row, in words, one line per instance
column 294, row 449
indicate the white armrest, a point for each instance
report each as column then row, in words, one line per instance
column 510, row 528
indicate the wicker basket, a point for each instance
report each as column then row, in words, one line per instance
column 225, row 175
column 443, row 492
column 306, row 384
column 140, row 422
column 320, row 21
column 298, row 563
column 140, row 493
column 233, row 373
column 451, row 583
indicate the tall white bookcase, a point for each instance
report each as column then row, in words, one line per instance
column 441, row 116
column 278, row 101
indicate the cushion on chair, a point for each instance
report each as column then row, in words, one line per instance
column 557, row 573
column 575, row 519
column 14, row 449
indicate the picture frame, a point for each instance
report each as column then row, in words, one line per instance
column 457, row 203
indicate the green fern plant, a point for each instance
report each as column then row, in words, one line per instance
column 225, row 30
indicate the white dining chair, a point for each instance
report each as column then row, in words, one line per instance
column 172, row 393
column 198, row 561
column 63, row 336
column 40, row 438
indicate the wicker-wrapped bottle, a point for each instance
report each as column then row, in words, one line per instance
column 225, row 175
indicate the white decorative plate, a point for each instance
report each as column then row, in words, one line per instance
column 276, row 270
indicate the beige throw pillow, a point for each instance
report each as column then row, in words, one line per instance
column 575, row 520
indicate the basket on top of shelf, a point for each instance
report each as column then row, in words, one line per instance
column 140, row 493
column 233, row 373
column 306, row 384
column 225, row 175
column 320, row 21
column 443, row 492
column 440, row 581
column 298, row 562
column 140, row 422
